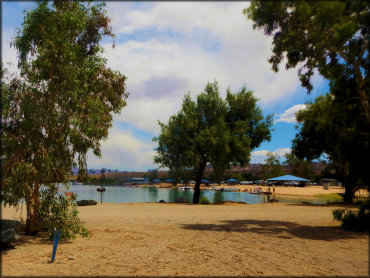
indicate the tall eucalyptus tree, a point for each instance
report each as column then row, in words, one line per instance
column 61, row 106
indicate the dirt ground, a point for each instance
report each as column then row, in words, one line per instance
column 197, row 240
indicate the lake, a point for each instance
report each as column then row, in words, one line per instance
column 121, row 194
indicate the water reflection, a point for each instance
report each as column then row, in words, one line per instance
column 153, row 194
column 218, row 197
column 119, row 194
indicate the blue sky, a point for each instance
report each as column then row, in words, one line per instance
column 167, row 49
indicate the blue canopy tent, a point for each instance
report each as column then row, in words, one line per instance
column 287, row 178
column 232, row 181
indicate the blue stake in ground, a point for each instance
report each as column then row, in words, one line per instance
column 55, row 243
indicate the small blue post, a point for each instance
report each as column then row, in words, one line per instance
column 55, row 243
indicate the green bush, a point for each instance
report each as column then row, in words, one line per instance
column 204, row 201
column 60, row 212
column 354, row 220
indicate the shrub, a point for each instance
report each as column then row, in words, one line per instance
column 354, row 220
column 86, row 203
column 60, row 212
column 204, row 201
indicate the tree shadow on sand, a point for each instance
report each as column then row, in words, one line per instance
column 30, row 240
column 281, row 229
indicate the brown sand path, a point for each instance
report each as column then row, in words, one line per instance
column 197, row 240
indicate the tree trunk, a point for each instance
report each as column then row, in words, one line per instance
column 33, row 207
column 202, row 165
column 365, row 103
column 351, row 182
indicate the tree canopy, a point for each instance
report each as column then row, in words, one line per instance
column 272, row 167
column 330, row 36
column 332, row 125
column 213, row 130
column 300, row 167
column 61, row 106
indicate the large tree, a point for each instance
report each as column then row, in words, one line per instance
column 210, row 129
column 330, row 36
column 61, row 105
column 332, row 125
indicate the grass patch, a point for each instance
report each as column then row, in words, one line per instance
column 204, row 201
column 334, row 197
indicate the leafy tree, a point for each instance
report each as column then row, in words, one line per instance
column 300, row 167
column 102, row 174
column 272, row 166
column 345, row 142
column 249, row 176
column 237, row 176
column 61, row 105
column 330, row 36
column 153, row 174
column 210, row 129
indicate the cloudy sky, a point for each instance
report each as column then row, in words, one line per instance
column 167, row 49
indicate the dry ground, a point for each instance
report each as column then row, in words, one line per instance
column 197, row 240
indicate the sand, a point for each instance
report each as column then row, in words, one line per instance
column 152, row 239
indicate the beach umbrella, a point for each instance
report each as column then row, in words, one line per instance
column 287, row 178
column 157, row 180
column 170, row 180
column 231, row 180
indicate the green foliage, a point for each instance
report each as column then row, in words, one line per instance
column 251, row 176
column 153, row 174
column 330, row 36
column 237, row 176
column 61, row 105
column 354, row 220
column 344, row 142
column 272, row 167
column 210, row 129
column 204, row 201
column 300, row 167
column 60, row 212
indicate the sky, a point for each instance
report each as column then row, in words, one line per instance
column 167, row 49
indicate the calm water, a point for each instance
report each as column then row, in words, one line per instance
column 120, row 194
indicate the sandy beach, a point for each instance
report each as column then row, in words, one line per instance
column 153, row 239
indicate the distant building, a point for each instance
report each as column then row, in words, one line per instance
column 137, row 180
column 330, row 182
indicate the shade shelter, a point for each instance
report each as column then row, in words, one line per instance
column 232, row 181
column 287, row 178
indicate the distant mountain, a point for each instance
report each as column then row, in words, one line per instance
column 251, row 168
column 95, row 171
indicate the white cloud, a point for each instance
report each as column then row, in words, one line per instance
column 198, row 42
column 123, row 151
column 144, row 113
column 289, row 115
column 214, row 41
column 261, row 155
